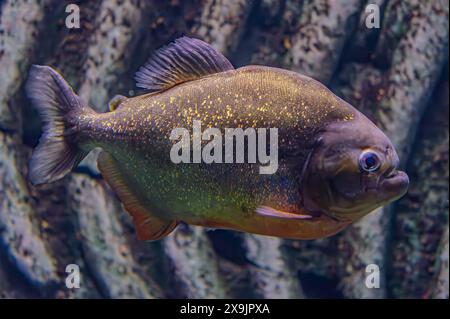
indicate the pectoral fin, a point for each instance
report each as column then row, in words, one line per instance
column 271, row 212
column 148, row 225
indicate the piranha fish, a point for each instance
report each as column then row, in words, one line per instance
column 334, row 165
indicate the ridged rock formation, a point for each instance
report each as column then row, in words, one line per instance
column 396, row 74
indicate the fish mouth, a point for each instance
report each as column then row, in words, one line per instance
column 392, row 185
column 391, row 172
column 395, row 183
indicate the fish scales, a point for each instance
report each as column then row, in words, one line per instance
column 248, row 97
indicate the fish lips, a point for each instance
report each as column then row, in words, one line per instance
column 395, row 183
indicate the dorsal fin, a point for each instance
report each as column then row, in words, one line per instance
column 183, row 60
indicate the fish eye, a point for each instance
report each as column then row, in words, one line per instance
column 369, row 161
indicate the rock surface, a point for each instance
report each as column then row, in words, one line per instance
column 396, row 75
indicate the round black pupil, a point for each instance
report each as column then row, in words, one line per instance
column 370, row 161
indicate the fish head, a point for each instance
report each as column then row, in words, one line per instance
column 352, row 170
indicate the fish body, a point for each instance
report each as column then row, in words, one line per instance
column 208, row 93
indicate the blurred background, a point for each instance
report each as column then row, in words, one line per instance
column 396, row 74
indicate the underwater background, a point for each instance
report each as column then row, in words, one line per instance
column 396, row 74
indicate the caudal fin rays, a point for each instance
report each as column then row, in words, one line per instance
column 57, row 153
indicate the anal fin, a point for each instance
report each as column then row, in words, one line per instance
column 148, row 225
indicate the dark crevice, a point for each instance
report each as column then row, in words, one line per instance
column 362, row 52
column 354, row 52
column 228, row 245
column 316, row 286
column 241, row 55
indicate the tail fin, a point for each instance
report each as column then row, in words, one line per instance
column 56, row 155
